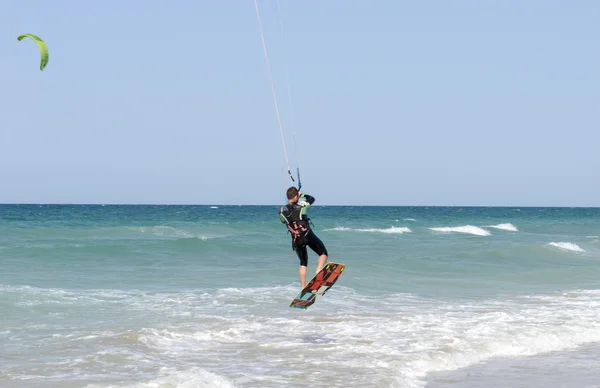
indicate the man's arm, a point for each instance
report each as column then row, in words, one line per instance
column 309, row 199
column 305, row 202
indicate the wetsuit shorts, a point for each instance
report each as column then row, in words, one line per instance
column 314, row 243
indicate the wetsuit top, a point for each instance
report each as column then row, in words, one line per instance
column 294, row 216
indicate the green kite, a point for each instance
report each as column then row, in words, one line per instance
column 41, row 46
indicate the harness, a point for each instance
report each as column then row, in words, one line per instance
column 297, row 225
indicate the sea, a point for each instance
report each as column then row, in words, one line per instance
column 181, row 296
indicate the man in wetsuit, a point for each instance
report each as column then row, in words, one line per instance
column 294, row 216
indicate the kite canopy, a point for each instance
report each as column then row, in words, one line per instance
column 41, row 46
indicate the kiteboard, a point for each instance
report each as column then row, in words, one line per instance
column 318, row 286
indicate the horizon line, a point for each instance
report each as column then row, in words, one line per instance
column 316, row 205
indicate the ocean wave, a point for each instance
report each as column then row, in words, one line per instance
column 567, row 246
column 377, row 339
column 403, row 329
column 467, row 229
column 191, row 378
column 169, row 232
column 509, row 227
column 390, row 230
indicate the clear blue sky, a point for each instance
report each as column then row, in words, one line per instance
column 394, row 102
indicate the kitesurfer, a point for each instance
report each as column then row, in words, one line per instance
column 294, row 216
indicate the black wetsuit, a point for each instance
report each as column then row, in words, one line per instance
column 294, row 216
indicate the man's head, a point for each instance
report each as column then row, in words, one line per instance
column 292, row 194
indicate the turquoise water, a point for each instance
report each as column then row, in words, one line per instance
column 197, row 296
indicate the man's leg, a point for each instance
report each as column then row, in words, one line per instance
column 302, row 273
column 303, row 256
column 320, row 263
column 318, row 247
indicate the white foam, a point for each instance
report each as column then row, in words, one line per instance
column 214, row 207
column 403, row 337
column 390, row 340
column 447, row 337
column 192, row 378
column 509, row 227
column 567, row 246
column 390, row 230
column 410, row 219
column 339, row 228
column 467, row 229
